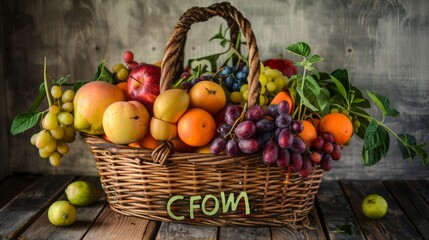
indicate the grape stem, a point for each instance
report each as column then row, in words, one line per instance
column 45, row 81
column 239, row 120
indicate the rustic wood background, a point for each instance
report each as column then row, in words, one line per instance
column 382, row 43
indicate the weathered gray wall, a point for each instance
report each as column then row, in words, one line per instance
column 382, row 43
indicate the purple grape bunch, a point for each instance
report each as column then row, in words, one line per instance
column 274, row 132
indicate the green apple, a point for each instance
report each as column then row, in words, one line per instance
column 374, row 206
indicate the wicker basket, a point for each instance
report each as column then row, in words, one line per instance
column 195, row 188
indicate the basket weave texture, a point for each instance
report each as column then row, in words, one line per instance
column 140, row 183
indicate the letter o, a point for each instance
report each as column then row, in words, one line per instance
column 214, row 210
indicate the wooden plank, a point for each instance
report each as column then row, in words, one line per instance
column 245, row 233
column 43, row 229
column 412, row 203
column 151, row 230
column 14, row 184
column 395, row 225
column 29, row 204
column 173, row 231
column 315, row 230
column 422, row 187
column 336, row 212
column 112, row 225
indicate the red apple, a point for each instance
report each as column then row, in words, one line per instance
column 284, row 65
column 143, row 84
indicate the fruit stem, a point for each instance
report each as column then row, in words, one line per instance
column 302, row 88
column 405, row 143
column 237, row 121
column 45, row 81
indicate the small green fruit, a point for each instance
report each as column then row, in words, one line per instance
column 82, row 193
column 62, row 213
column 374, row 206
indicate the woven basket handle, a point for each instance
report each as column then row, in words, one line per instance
column 172, row 62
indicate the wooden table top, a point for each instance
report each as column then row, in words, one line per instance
column 24, row 201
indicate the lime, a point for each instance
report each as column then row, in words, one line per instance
column 374, row 206
column 62, row 213
column 82, row 193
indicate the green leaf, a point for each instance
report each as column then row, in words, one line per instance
column 321, row 101
column 364, row 121
column 383, row 103
column 62, row 80
column 299, row 48
column 312, row 85
column 359, row 100
column 315, row 58
column 224, row 42
column 405, row 150
column 78, row 84
column 218, row 35
column 343, row 77
column 305, row 100
column 23, row 122
column 409, row 148
column 376, row 143
column 344, row 229
column 341, row 89
column 39, row 99
column 314, row 71
column 103, row 74
column 421, row 153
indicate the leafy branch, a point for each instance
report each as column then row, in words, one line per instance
column 320, row 92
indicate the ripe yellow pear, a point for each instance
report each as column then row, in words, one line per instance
column 171, row 104
column 82, row 193
column 90, row 102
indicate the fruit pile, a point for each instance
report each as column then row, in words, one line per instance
column 301, row 120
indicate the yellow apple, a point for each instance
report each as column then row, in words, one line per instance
column 125, row 122
column 90, row 102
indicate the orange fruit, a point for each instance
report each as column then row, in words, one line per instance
column 134, row 144
column 283, row 95
column 207, row 95
column 196, row 127
column 124, row 87
column 104, row 136
column 180, row 146
column 148, row 142
column 339, row 125
column 203, row 149
column 158, row 63
column 309, row 133
column 315, row 122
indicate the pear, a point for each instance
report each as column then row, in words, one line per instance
column 82, row 193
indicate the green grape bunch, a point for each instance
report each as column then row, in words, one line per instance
column 56, row 123
column 57, row 126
